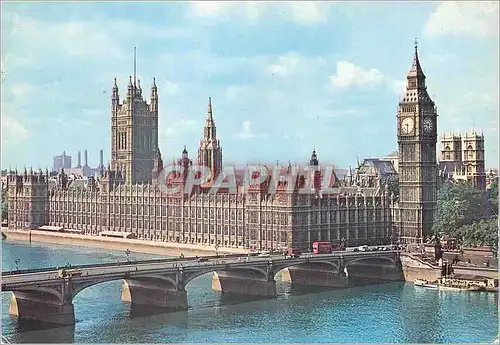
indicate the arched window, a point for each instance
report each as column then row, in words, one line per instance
column 470, row 153
column 447, row 153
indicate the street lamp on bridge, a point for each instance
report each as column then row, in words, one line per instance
column 16, row 261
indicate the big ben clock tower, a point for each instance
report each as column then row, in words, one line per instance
column 417, row 136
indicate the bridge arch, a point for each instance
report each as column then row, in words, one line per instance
column 254, row 271
column 311, row 264
column 170, row 283
column 48, row 294
column 371, row 259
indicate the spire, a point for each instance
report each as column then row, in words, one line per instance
column 185, row 150
column 135, row 65
column 314, row 158
column 416, row 69
column 209, row 113
column 416, row 76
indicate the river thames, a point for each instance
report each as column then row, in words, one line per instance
column 387, row 313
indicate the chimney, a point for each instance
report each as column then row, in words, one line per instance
column 85, row 158
column 79, row 165
column 101, row 159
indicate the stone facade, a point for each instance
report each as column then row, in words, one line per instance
column 134, row 133
column 417, row 137
column 462, row 158
column 128, row 196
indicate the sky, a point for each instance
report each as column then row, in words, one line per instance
column 284, row 77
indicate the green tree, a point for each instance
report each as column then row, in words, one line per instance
column 493, row 199
column 459, row 204
column 481, row 233
column 467, row 214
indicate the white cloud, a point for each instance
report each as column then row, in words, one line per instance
column 398, row 86
column 308, row 12
column 170, row 88
column 349, row 75
column 246, row 132
column 21, row 90
column 234, row 91
column 249, row 10
column 286, row 65
column 473, row 18
column 70, row 38
column 13, row 129
column 298, row 12
column 28, row 39
column 179, row 127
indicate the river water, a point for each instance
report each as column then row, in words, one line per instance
column 387, row 313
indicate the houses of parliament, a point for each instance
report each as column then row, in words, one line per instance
column 127, row 198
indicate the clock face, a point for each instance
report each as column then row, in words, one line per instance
column 427, row 125
column 407, row 125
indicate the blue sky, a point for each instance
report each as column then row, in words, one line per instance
column 283, row 77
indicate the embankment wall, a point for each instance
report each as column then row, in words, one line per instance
column 112, row 243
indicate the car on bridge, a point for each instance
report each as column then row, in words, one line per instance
column 292, row 253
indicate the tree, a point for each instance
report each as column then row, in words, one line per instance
column 467, row 214
column 5, row 204
column 493, row 199
column 481, row 233
column 459, row 204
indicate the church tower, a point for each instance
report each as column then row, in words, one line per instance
column 134, row 132
column 473, row 159
column 417, row 137
column 210, row 152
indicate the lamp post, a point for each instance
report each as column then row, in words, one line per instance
column 16, row 261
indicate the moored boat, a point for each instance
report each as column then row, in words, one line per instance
column 459, row 288
column 424, row 283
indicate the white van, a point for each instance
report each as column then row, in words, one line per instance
column 363, row 248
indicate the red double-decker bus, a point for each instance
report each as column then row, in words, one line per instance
column 320, row 247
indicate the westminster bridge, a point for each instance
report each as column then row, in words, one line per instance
column 47, row 294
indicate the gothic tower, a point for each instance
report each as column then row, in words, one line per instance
column 134, row 132
column 210, row 152
column 417, row 137
column 28, row 200
column 473, row 159
column 451, row 149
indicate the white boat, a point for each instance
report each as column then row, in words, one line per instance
column 424, row 283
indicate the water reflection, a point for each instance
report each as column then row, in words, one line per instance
column 27, row 331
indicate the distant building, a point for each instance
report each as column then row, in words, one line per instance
column 62, row 161
column 85, row 170
column 462, row 158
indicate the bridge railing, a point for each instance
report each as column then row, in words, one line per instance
column 153, row 261
column 118, row 263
